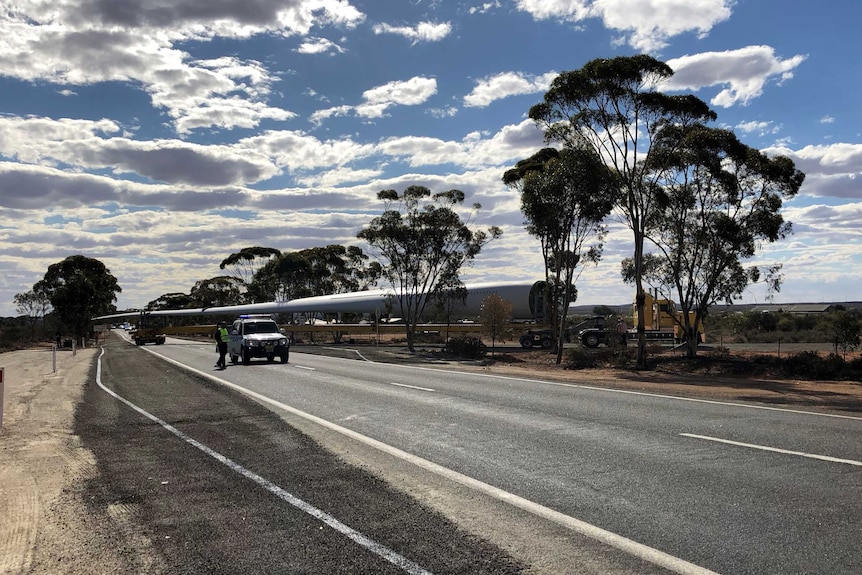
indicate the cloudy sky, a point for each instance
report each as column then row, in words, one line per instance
column 160, row 136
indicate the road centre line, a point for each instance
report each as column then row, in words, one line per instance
column 369, row 544
column 774, row 449
column 624, row 544
column 627, row 391
column 412, row 386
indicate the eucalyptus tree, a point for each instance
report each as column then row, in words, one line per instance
column 35, row 304
column 615, row 107
column 565, row 197
column 424, row 243
column 244, row 264
column 218, row 291
column 79, row 288
column 717, row 202
column 314, row 271
column 283, row 278
column 171, row 300
column 339, row 269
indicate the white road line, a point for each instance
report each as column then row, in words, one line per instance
column 630, row 392
column 306, row 368
column 639, row 550
column 376, row 548
column 412, row 386
column 356, row 351
column 774, row 449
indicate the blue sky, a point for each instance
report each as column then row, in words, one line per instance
column 160, row 136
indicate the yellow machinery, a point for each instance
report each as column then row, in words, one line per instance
column 661, row 318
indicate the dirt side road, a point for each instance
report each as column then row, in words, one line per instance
column 43, row 467
column 89, row 486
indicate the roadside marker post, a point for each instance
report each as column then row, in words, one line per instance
column 2, row 394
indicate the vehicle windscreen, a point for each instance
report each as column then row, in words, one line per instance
column 262, row 327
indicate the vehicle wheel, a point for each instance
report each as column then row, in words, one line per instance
column 526, row 341
column 160, row 341
column 285, row 356
column 547, row 343
column 270, row 357
column 591, row 340
column 246, row 356
column 138, row 342
column 234, row 358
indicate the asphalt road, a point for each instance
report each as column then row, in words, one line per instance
column 213, row 482
column 728, row 488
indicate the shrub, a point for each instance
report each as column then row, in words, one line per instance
column 809, row 364
column 579, row 358
column 466, row 347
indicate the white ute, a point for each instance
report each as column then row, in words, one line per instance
column 257, row 336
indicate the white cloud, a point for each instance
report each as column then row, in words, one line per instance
column 410, row 92
column 378, row 100
column 507, row 84
column 338, row 176
column 833, row 170
column 319, row 46
column 422, row 32
column 761, row 128
column 447, row 112
column 838, row 158
column 484, row 8
column 80, row 144
column 646, row 24
column 84, row 42
column 511, row 143
column 745, row 71
column 199, row 17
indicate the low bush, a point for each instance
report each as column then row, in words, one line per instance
column 466, row 347
column 580, row 358
column 811, row 365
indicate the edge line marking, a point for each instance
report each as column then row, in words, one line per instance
column 377, row 548
column 633, row 548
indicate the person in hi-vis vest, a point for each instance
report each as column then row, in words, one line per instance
column 221, row 337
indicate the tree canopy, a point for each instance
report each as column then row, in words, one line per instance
column 424, row 243
column 79, row 288
column 244, row 264
column 34, row 304
column 613, row 105
column 565, row 196
column 216, row 292
column 718, row 202
column 314, row 271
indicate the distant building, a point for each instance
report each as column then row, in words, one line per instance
column 799, row 308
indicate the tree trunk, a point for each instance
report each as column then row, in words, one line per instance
column 640, row 299
column 411, row 336
column 692, row 346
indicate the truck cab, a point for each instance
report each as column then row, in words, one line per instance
column 252, row 336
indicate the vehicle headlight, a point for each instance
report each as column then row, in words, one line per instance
column 282, row 342
column 250, row 343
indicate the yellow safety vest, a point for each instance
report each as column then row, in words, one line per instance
column 223, row 335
